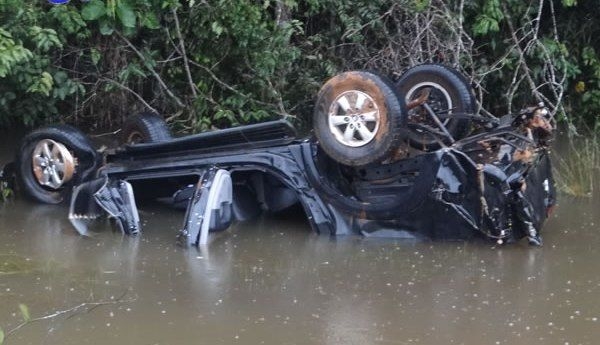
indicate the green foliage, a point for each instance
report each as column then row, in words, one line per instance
column 488, row 21
column 248, row 60
column 11, row 53
column 70, row 20
column 1, row 336
column 44, row 39
column 93, row 10
column 121, row 15
column 579, row 30
column 42, row 84
column 32, row 41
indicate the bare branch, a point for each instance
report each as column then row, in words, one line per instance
column 126, row 88
column 184, row 54
column 85, row 307
column 154, row 73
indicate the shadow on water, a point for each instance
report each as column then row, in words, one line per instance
column 272, row 281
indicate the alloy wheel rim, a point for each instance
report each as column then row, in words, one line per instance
column 354, row 118
column 53, row 164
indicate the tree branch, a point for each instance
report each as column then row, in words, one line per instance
column 184, row 54
column 154, row 73
column 126, row 88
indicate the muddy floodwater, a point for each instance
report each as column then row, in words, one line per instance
column 272, row 281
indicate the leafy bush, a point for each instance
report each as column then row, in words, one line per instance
column 225, row 62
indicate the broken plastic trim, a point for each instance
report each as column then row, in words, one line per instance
column 210, row 207
column 115, row 197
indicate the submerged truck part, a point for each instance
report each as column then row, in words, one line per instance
column 209, row 208
column 443, row 194
column 115, row 197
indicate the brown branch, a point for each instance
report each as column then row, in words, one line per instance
column 184, row 54
column 154, row 73
column 522, row 62
column 126, row 88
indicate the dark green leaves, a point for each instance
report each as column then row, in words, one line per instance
column 93, row 10
column 106, row 27
column 11, row 53
column 120, row 11
column 125, row 14
column 150, row 20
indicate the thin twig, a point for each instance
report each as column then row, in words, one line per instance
column 75, row 309
column 184, row 54
column 126, row 88
column 522, row 62
column 224, row 84
column 154, row 73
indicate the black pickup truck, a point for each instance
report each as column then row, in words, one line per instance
column 384, row 159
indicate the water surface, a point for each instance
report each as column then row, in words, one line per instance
column 272, row 281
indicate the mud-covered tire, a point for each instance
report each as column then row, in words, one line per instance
column 359, row 118
column 144, row 128
column 51, row 160
column 450, row 91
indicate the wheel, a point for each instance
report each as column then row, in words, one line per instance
column 359, row 118
column 144, row 128
column 51, row 160
column 447, row 92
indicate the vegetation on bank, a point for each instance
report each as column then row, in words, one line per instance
column 216, row 63
column 578, row 167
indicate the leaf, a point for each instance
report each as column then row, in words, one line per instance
column 25, row 312
column 60, row 77
column 93, row 10
column 1, row 336
column 151, row 21
column 216, row 28
column 95, row 56
column 126, row 14
column 106, row 27
column 127, row 31
column 43, row 84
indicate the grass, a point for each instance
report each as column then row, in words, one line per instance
column 578, row 169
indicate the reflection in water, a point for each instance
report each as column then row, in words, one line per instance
column 272, row 281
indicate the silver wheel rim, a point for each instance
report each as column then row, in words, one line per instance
column 354, row 118
column 53, row 164
column 411, row 94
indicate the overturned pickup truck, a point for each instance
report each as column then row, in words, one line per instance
column 411, row 157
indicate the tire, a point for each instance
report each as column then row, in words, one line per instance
column 144, row 128
column 53, row 159
column 450, row 91
column 353, row 136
